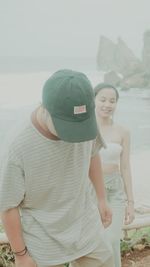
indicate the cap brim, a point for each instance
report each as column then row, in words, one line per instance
column 76, row 132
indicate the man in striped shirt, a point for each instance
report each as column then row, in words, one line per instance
column 46, row 177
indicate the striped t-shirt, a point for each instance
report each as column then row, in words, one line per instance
column 48, row 180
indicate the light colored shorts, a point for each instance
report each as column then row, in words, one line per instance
column 93, row 259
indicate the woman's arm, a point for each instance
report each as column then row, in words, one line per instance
column 126, row 174
column 95, row 174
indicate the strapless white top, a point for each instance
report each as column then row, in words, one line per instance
column 111, row 154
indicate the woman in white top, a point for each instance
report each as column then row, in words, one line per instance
column 116, row 165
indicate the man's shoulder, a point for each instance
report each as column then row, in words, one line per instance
column 17, row 137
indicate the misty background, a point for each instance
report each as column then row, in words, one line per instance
column 66, row 33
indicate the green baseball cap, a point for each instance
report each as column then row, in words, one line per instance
column 69, row 98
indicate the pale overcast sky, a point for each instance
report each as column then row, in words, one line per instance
column 69, row 27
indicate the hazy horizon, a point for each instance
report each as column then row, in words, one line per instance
column 70, row 28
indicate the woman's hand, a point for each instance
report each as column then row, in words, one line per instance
column 106, row 214
column 129, row 213
column 24, row 261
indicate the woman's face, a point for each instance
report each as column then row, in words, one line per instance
column 106, row 102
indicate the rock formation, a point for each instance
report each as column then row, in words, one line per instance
column 146, row 51
column 105, row 56
column 113, row 78
column 118, row 58
column 137, row 80
column 126, row 61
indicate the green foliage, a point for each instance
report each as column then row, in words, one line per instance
column 6, row 256
column 137, row 240
column 125, row 246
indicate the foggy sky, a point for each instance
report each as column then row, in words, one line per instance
column 69, row 27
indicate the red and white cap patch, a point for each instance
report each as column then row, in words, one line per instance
column 80, row 109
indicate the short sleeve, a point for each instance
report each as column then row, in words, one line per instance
column 12, row 186
column 98, row 143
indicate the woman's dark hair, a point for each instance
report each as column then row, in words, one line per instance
column 101, row 86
